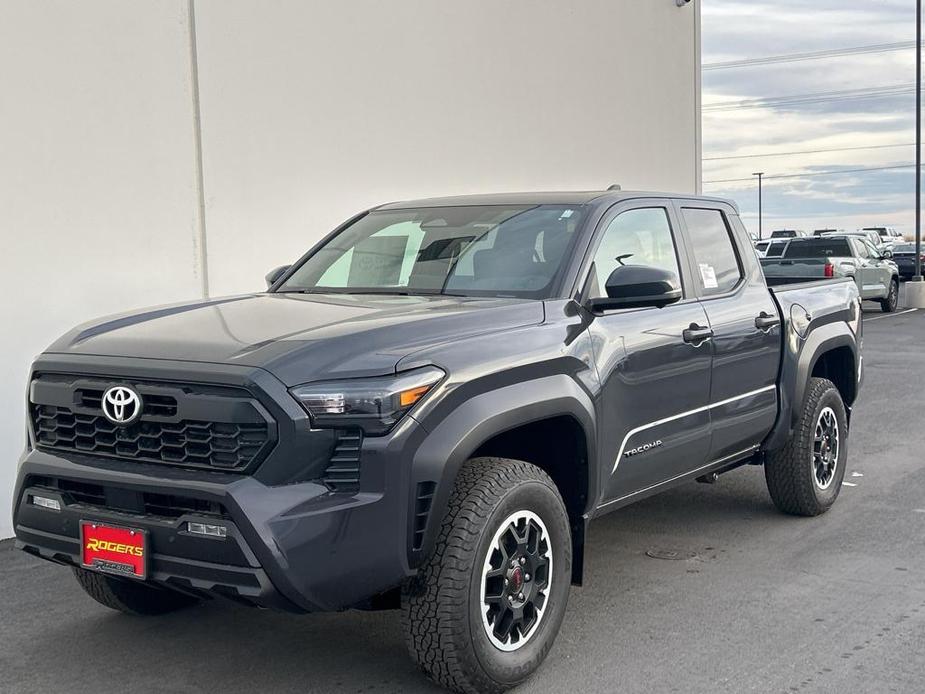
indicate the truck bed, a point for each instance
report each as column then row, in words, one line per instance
column 824, row 307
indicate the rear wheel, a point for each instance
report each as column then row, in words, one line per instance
column 131, row 597
column 805, row 476
column 485, row 608
column 892, row 299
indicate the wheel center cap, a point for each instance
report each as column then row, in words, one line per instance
column 516, row 580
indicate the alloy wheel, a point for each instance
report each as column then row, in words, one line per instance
column 825, row 448
column 516, row 579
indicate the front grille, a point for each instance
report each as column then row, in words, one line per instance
column 160, row 405
column 119, row 499
column 206, row 427
column 199, row 444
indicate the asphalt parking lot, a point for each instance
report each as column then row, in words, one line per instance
column 767, row 603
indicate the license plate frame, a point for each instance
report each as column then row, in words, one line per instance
column 123, row 552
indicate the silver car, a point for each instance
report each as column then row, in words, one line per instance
column 842, row 255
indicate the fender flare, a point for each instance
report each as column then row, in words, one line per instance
column 796, row 372
column 453, row 441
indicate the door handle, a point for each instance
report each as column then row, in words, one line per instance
column 765, row 322
column 696, row 335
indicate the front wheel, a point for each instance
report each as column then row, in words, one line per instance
column 486, row 606
column 805, row 476
column 889, row 304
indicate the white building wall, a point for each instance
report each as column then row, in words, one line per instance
column 310, row 111
column 97, row 194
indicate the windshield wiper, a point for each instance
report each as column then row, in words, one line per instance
column 359, row 291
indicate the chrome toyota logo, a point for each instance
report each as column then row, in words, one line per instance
column 121, row 405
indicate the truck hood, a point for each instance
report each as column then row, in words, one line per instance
column 299, row 337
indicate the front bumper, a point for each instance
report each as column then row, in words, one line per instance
column 295, row 541
column 298, row 547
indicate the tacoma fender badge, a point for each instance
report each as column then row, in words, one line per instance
column 645, row 448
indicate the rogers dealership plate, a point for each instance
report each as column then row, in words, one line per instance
column 113, row 549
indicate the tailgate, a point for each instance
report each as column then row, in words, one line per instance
column 797, row 270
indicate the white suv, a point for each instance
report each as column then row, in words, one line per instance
column 889, row 236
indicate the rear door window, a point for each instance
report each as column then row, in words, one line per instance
column 861, row 248
column 718, row 269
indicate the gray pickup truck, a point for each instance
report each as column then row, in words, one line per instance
column 833, row 256
column 428, row 410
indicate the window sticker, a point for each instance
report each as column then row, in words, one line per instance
column 566, row 214
column 708, row 276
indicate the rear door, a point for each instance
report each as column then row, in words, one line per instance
column 746, row 342
column 654, row 366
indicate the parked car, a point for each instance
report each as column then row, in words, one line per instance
column 871, row 236
column 904, row 257
column 889, row 236
column 427, row 410
column 787, row 234
column 876, row 275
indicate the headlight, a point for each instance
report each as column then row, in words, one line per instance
column 372, row 404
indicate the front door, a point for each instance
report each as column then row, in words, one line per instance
column 654, row 365
column 866, row 273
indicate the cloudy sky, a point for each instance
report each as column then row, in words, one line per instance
column 744, row 115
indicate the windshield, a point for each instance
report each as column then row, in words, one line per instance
column 819, row 248
column 471, row 251
column 904, row 248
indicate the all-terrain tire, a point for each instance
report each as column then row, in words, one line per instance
column 791, row 472
column 443, row 606
column 891, row 302
column 130, row 596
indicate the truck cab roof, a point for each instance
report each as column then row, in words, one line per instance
column 595, row 197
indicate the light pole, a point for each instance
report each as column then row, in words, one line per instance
column 760, row 176
column 915, row 290
column 918, row 141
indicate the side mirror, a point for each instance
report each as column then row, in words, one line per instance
column 887, row 253
column 638, row 286
column 272, row 277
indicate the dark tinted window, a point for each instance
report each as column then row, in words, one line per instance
column 904, row 248
column 819, row 248
column 776, row 250
column 717, row 264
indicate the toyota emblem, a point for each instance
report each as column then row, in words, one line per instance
column 121, row 405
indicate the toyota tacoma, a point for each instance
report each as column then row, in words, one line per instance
column 427, row 410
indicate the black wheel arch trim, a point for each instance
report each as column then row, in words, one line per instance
column 455, row 439
column 796, row 372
